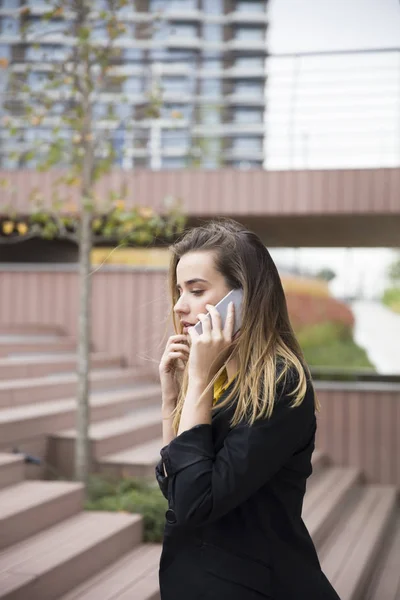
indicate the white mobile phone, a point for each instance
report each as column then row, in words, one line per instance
column 235, row 296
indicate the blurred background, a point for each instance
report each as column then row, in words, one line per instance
column 122, row 123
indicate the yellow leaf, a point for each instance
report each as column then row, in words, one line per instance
column 8, row 227
column 146, row 212
column 71, row 207
column 128, row 227
column 96, row 225
column 120, row 204
column 22, row 228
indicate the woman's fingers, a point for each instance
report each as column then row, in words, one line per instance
column 174, row 355
column 179, row 347
column 206, row 324
column 177, row 339
column 229, row 322
column 216, row 320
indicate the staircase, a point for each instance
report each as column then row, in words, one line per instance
column 51, row 549
column 48, row 544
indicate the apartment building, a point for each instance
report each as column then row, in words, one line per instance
column 207, row 56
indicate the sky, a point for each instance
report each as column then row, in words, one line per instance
column 323, row 25
column 314, row 25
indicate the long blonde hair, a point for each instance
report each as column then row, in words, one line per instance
column 266, row 336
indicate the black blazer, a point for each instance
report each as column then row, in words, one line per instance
column 233, row 527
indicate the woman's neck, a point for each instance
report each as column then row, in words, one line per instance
column 232, row 367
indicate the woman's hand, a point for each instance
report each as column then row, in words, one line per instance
column 174, row 358
column 209, row 349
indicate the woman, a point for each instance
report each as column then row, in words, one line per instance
column 238, row 429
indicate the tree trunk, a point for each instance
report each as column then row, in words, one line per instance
column 82, row 444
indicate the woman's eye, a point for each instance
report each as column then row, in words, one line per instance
column 197, row 292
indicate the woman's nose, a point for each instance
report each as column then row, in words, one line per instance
column 181, row 306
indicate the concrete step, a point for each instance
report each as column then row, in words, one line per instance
column 11, row 469
column 49, row 564
column 26, row 348
column 357, row 540
column 26, row 391
column 138, row 461
column 107, row 437
column 30, row 506
column 19, row 368
column 32, row 420
column 324, row 500
column 385, row 583
column 133, row 577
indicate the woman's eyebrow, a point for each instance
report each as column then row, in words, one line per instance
column 195, row 280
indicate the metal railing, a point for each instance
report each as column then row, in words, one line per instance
column 333, row 110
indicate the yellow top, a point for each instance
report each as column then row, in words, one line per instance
column 221, row 385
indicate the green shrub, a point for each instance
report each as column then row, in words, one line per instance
column 132, row 495
column 331, row 345
column 391, row 298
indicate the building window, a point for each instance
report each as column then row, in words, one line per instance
column 173, row 163
column 9, row 26
column 213, row 7
column 38, row 134
column 36, row 81
column 249, row 88
column 161, row 31
column 132, row 85
column 133, row 55
column 247, row 115
column 251, row 144
column 210, row 152
column 250, row 6
column 175, row 138
column 175, row 84
column 250, row 34
column 211, row 87
column 5, row 51
column 160, row 55
column 212, row 60
column 10, row 3
column 46, row 53
column 212, row 33
column 177, row 111
column 250, row 62
column 210, row 115
column 182, row 57
column 184, row 30
column 172, row 5
column 246, row 164
column 58, row 108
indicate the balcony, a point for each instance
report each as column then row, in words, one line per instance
column 243, row 154
column 245, row 98
column 247, row 46
column 245, row 73
column 229, row 129
column 247, row 17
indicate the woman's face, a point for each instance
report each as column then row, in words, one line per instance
column 198, row 283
